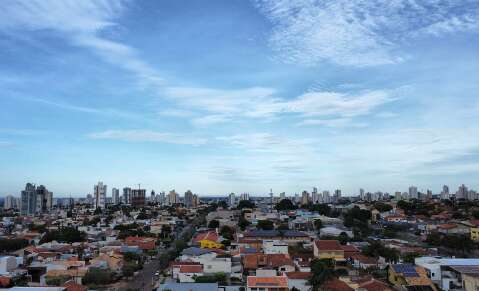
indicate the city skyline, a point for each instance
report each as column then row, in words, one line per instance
column 239, row 96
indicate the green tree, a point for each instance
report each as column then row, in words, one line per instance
column 246, row 204
column 227, row 232
column 382, row 207
column 243, row 223
column 285, row 205
column 64, row 235
column 322, row 271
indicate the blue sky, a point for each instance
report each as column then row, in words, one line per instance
column 242, row 96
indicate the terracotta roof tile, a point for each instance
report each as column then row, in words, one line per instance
column 273, row 281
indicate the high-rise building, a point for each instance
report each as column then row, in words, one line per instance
column 10, row 202
column 138, row 197
column 337, row 195
column 43, row 198
column 196, row 201
column 127, row 195
column 462, row 192
column 162, row 198
column 413, row 194
column 326, row 197
column 244, row 196
column 315, row 195
column 173, row 197
column 29, row 200
column 152, row 196
column 282, row 196
column 232, row 200
column 361, row 194
column 304, row 198
column 397, row 195
column 445, row 192
column 188, row 199
column 115, row 196
column 99, row 195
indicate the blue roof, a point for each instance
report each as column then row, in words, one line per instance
column 188, row 286
column 407, row 269
column 194, row 251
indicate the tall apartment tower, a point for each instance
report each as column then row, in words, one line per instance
column 232, row 199
column 315, row 195
column 115, row 196
column 127, row 195
column 173, row 197
column 188, row 199
column 413, row 194
column 462, row 192
column 445, row 192
column 99, row 195
column 28, row 200
column 361, row 194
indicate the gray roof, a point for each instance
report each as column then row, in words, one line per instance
column 194, row 251
column 189, row 287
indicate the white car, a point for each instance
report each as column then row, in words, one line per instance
column 157, row 273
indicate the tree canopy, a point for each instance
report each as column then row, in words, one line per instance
column 246, row 204
column 285, row 205
column 65, row 235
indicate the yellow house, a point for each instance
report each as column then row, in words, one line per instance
column 328, row 249
column 209, row 244
column 471, row 282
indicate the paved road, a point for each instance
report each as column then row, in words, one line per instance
column 146, row 279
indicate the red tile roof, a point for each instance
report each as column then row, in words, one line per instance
column 73, row 286
column 209, row 235
column 191, row 269
column 273, row 281
column 375, row 285
column 328, row 245
column 144, row 243
column 336, row 285
column 253, row 261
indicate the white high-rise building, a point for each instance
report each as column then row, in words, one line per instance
column 99, row 195
column 326, row 197
column 127, row 195
column 361, row 194
column 445, row 192
column 244, row 196
column 282, row 196
column 413, row 194
column 162, row 197
column 315, row 195
column 10, row 202
column 462, row 192
column 115, row 196
column 232, row 200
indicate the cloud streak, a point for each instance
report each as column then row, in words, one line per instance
column 360, row 33
column 146, row 136
column 82, row 23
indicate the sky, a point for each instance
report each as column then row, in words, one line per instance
column 239, row 96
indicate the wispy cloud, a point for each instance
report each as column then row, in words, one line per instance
column 82, row 23
column 222, row 106
column 360, row 33
column 147, row 136
column 4, row 144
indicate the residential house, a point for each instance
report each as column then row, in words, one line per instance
column 272, row 283
column 409, row 277
column 299, row 280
